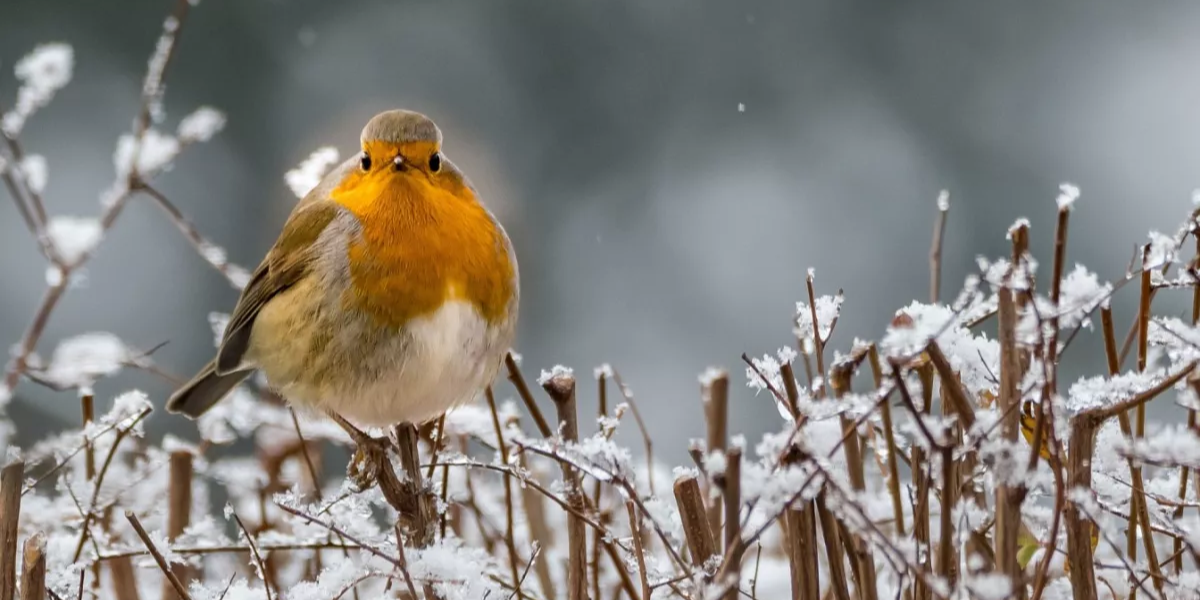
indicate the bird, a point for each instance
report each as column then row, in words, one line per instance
column 390, row 296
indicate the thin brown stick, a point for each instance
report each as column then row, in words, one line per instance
column 258, row 560
column 535, row 516
column 947, row 558
column 561, row 389
column 235, row 275
column 715, row 395
column 695, row 523
column 833, row 550
column 518, row 381
column 403, row 564
column 124, row 581
column 179, row 506
column 33, row 568
column 308, row 460
column 647, row 441
column 635, row 527
column 513, row 559
column 10, row 511
column 99, row 481
column 935, row 252
column 818, row 343
column 802, row 545
column 334, row 529
column 732, row 496
column 1009, row 497
column 893, row 469
column 158, row 557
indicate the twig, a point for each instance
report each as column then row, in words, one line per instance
column 561, row 389
column 334, row 529
column 635, row 529
column 715, row 396
column 258, row 561
column 732, row 495
column 235, row 275
column 695, row 524
column 935, row 252
column 518, row 381
column 647, row 442
column 158, row 557
column 403, row 566
column 33, row 568
column 179, row 505
column 308, row 461
column 99, row 481
column 10, row 512
column 508, row 495
column 533, row 556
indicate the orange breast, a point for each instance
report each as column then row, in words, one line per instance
column 421, row 246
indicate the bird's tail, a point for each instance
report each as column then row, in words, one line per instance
column 204, row 390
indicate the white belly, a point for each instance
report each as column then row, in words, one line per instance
column 436, row 362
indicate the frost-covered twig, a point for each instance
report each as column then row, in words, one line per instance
column 158, row 556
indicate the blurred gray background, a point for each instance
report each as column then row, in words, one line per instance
column 659, row 226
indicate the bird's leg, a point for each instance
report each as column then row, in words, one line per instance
column 370, row 454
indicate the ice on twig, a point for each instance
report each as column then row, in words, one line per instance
column 153, row 153
column 1161, row 251
column 42, row 73
column 556, row 371
column 1081, row 293
column 34, row 171
column 943, row 200
column 828, row 309
column 74, row 237
column 201, row 125
column 1068, row 193
column 302, row 179
column 1173, row 447
column 1101, row 391
column 79, row 361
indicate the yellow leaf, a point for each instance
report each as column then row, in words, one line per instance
column 1028, row 423
column 1025, row 554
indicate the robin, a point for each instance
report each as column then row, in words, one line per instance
column 390, row 296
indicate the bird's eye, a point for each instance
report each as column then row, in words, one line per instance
column 435, row 162
column 365, row 162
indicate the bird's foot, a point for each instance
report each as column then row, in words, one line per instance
column 370, row 455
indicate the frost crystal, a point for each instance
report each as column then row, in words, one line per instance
column 556, row 371
column 710, row 375
column 1067, row 195
column 153, row 154
column 715, row 463
column 828, row 309
column 1173, row 447
column 42, row 73
column 73, row 237
column 1100, row 391
column 201, row 125
column 1161, row 252
column 81, row 360
column 302, row 179
column 33, row 170
column 1081, row 293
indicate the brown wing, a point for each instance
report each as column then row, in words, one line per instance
column 285, row 264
